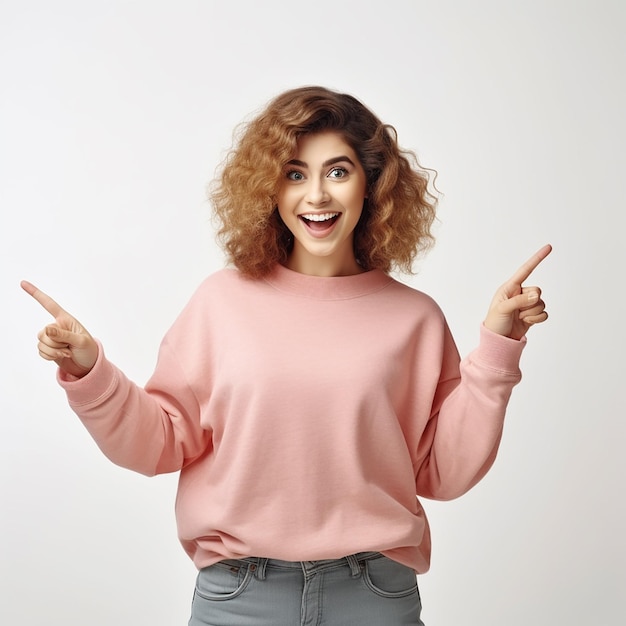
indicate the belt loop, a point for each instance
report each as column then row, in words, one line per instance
column 355, row 567
column 261, row 567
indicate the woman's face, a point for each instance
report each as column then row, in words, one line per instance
column 320, row 200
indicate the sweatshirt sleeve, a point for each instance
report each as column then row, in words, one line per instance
column 462, row 436
column 151, row 430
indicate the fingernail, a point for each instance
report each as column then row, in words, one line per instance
column 532, row 296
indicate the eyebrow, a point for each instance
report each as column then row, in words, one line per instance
column 332, row 161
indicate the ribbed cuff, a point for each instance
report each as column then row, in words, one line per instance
column 93, row 386
column 499, row 352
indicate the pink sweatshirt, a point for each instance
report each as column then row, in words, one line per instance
column 305, row 414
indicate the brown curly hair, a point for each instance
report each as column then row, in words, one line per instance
column 397, row 215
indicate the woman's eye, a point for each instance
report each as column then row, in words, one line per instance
column 295, row 175
column 338, row 172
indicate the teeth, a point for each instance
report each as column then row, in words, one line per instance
column 319, row 217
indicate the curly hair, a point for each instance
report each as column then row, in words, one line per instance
column 397, row 217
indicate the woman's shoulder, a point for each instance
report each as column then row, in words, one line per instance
column 222, row 283
column 412, row 295
column 222, row 276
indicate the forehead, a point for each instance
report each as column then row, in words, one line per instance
column 321, row 146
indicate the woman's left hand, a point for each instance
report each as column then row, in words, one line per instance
column 515, row 308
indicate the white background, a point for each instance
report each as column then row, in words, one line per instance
column 113, row 117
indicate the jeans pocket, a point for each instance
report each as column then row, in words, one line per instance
column 222, row 581
column 389, row 579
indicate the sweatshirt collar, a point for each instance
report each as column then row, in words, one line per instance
column 327, row 288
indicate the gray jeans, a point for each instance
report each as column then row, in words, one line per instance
column 365, row 589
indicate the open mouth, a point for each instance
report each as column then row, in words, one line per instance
column 319, row 222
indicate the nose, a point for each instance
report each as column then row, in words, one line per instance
column 316, row 194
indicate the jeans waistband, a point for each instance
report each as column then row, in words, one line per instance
column 259, row 565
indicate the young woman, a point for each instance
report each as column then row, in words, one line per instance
column 305, row 395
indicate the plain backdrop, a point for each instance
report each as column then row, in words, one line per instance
column 113, row 118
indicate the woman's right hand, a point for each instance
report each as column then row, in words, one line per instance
column 65, row 341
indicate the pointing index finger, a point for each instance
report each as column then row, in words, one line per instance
column 529, row 267
column 44, row 299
